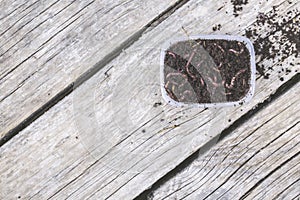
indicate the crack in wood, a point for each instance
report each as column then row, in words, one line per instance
column 253, row 172
column 11, row 12
column 269, row 174
column 85, row 76
column 172, row 173
column 20, row 18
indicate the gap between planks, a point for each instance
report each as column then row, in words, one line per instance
column 20, row 124
column 91, row 165
column 277, row 127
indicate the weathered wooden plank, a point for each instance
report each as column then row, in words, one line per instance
column 259, row 160
column 47, row 45
column 136, row 141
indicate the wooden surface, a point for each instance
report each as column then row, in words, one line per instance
column 112, row 137
column 47, row 46
column 256, row 161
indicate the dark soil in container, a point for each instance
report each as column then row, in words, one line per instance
column 207, row 71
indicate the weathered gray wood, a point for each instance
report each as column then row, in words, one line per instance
column 259, row 160
column 119, row 160
column 47, row 45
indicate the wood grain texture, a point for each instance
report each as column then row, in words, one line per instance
column 107, row 139
column 259, row 160
column 45, row 46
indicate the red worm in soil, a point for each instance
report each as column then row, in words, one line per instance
column 172, row 54
column 213, row 82
column 219, row 47
column 236, row 52
column 217, row 68
column 202, row 81
column 186, row 94
column 215, row 78
column 167, row 84
column 183, row 84
column 244, row 82
column 190, row 59
column 187, row 65
column 200, row 63
column 220, row 65
column 170, row 93
column 226, row 93
column 176, row 74
column 234, row 78
column 190, row 73
column 172, row 81
column 187, row 91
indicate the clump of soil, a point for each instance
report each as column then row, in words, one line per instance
column 207, row 71
column 238, row 6
column 217, row 27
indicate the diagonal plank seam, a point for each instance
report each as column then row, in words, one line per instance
column 85, row 76
column 279, row 92
column 131, row 178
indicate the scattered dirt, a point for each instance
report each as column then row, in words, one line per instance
column 275, row 39
column 217, row 27
column 157, row 104
column 238, row 6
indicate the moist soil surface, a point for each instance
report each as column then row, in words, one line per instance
column 207, row 71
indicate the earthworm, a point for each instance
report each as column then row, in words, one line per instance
column 231, row 83
column 236, row 52
column 244, row 82
column 190, row 59
column 181, row 85
column 167, row 84
column 172, row 82
column 202, row 81
column 213, row 82
column 240, row 44
column 176, row 74
column 200, row 63
column 185, row 93
column 188, row 63
column 215, row 78
column 234, row 78
column 240, row 72
column 190, row 73
column 217, row 68
column 171, row 94
column 219, row 47
column 173, row 88
column 226, row 93
column 172, row 54
column 220, row 65
column 197, row 44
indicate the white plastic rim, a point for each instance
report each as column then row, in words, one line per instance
column 245, row 99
